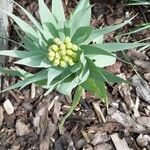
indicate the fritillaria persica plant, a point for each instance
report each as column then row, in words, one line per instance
column 67, row 52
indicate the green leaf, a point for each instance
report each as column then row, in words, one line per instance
column 102, row 75
column 30, row 45
column 52, row 29
column 91, row 51
column 36, row 77
column 84, row 73
column 75, row 67
column 68, row 85
column 80, row 19
column 30, row 32
column 18, row 53
column 47, row 35
column 97, row 87
column 102, row 31
column 81, row 34
column 52, row 74
column 103, row 60
column 114, row 47
column 45, row 15
column 65, row 73
column 58, row 10
column 10, row 72
column 75, row 102
column 112, row 78
column 67, row 28
column 34, row 61
column 81, row 5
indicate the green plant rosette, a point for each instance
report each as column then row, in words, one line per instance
column 67, row 53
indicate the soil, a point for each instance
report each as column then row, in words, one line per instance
column 125, row 124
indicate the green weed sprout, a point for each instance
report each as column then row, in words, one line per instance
column 69, row 53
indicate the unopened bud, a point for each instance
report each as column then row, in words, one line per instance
column 69, row 45
column 57, row 55
column 51, row 53
column 55, row 47
column 62, row 52
column 75, row 47
column 56, row 62
column 51, row 58
column 67, row 39
column 70, row 62
column 62, row 46
column 69, row 52
column 62, row 63
column 57, row 41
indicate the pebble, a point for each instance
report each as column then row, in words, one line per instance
column 143, row 140
column 8, row 107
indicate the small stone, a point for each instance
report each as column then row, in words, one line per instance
column 143, row 140
column 8, row 107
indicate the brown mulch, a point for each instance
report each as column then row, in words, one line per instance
column 33, row 120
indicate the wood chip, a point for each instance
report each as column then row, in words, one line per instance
column 142, row 88
column 56, row 112
column 1, row 116
column 21, row 128
column 103, row 146
column 33, row 90
column 145, row 121
column 8, row 107
column 144, row 64
column 99, row 138
column 119, row 143
column 125, row 120
column 98, row 112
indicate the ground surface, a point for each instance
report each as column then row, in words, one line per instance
column 125, row 125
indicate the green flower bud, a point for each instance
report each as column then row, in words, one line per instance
column 62, row 46
column 62, row 63
column 62, row 52
column 70, row 62
column 69, row 52
column 57, row 55
column 66, row 58
column 74, row 55
column 57, row 41
column 51, row 58
column 56, row 62
column 67, row 39
column 75, row 47
column 69, row 45
column 54, row 47
column 51, row 53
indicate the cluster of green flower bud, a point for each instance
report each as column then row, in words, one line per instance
column 63, row 53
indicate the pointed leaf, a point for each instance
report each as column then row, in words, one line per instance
column 30, row 32
column 18, row 53
column 58, row 10
column 36, row 77
column 102, row 31
column 81, row 34
column 46, row 15
column 75, row 102
column 114, row 47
